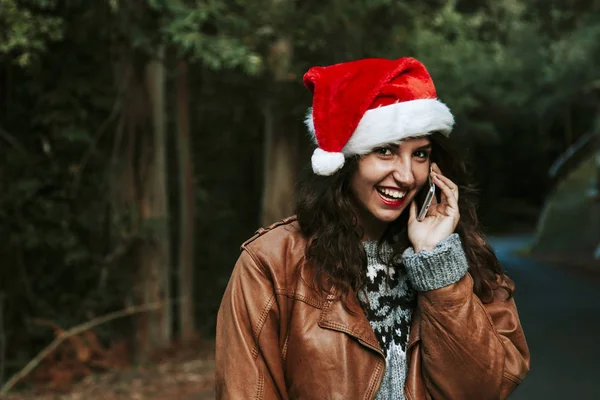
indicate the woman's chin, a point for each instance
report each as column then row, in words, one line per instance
column 388, row 216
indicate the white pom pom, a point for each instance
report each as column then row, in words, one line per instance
column 325, row 162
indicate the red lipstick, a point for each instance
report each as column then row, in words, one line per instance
column 392, row 203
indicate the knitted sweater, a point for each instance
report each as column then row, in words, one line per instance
column 391, row 299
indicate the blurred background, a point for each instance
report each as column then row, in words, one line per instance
column 142, row 141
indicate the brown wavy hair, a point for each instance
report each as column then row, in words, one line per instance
column 334, row 253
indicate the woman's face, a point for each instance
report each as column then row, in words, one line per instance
column 387, row 180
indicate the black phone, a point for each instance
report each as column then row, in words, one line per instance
column 428, row 199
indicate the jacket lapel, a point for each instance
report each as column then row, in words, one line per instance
column 335, row 317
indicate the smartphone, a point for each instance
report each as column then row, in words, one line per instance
column 428, row 199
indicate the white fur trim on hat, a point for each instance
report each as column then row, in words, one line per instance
column 397, row 121
column 325, row 162
column 310, row 124
column 392, row 123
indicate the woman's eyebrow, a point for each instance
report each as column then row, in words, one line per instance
column 427, row 146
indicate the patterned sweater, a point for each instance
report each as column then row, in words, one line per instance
column 391, row 298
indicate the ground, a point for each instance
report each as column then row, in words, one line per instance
column 176, row 377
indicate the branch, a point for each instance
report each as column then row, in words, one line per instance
column 118, row 251
column 10, row 139
column 76, row 330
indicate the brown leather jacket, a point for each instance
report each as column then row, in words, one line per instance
column 276, row 339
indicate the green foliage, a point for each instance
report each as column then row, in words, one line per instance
column 205, row 31
column 25, row 32
column 202, row 31
column 572, row 72
column 482, row 61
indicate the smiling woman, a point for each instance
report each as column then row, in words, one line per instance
column 355, row 298
column 386, row 181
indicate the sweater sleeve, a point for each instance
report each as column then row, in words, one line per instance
column 460, row 333
column 248, row 358
column 436, row 268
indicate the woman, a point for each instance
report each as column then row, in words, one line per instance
column 354, row 298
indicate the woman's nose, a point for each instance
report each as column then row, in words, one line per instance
column 403, row 172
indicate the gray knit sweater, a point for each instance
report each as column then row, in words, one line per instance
column 391, row 299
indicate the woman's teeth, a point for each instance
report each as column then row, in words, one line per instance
column 393, row 194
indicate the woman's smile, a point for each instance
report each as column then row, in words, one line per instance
column 390, row 196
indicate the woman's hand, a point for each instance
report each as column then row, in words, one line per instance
column 441, row 219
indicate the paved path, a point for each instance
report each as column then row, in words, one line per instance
column 560, row 313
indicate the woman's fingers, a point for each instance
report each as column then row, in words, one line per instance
column 413, row 211
column 453, row 187
column 448, row 195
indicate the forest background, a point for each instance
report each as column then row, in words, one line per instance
column 142, row 141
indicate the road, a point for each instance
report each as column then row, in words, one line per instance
column 560, row 313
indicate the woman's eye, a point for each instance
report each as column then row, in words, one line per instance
column 422, row 154
column 384, row 151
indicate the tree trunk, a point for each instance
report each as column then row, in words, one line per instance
column 281, row 144
column 154, row 257
column 280, row 165
column 186, row 207
column 138, row 195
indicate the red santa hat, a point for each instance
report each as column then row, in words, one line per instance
column 363, row 104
